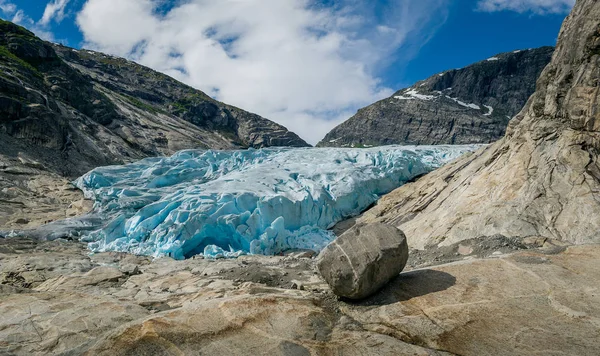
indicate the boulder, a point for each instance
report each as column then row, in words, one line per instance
column 363, row 259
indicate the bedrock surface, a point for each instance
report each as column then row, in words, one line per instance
column 55, row 298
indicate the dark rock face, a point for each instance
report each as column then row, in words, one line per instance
column 363, row 259
column 65, row 112
column 138, row 88
column 460, row 106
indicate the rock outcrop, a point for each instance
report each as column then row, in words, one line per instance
column 362, row 260
column 64, row 112
column 541, row 179
column 461, row 106
column 57, row 299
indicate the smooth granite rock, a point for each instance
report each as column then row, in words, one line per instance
column 362, row 260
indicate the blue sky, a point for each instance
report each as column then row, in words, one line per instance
column 469, row 36
column 308, row 65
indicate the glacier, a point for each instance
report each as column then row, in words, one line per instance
column 229, row 203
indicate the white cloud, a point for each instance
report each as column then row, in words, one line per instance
column 535, row 6
column 42, row 32
column 304, row 65
column 7, row 7
column 55, row 10
column 18, row 16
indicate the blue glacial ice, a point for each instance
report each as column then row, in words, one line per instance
column 228, row 203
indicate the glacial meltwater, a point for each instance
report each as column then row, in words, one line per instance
column 228, row 203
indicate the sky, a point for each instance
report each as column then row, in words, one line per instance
column 306, row 64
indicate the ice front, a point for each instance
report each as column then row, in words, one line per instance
column 228, row 203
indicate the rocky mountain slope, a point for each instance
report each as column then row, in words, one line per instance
column 64, row 112
column 541, row 179
column 469, row 105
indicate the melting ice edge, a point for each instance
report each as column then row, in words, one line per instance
column 228, row 203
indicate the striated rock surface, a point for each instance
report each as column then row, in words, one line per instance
column 57, row 299
column 64, row 112
column 460, row 106
column 362, row 260
column 541, row 179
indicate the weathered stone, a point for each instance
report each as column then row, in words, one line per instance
column 130, row 269
column 11, row 109
column 362, row 260
column 518, row 304
column 98, row 275
column 79, row 207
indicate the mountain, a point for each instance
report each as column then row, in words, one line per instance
column 542, row 179
column 460, row 106
column 64, row 112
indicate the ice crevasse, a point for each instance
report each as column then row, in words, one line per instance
column 228, row 203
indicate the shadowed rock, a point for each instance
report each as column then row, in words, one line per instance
column 363, row 260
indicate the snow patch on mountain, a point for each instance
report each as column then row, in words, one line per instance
column 490, row 110
column 412, row 94
column 471, row 106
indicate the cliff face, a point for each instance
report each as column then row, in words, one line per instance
column 469, row 105
column 132, row 87
column 541, row 179
column 64, row 112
